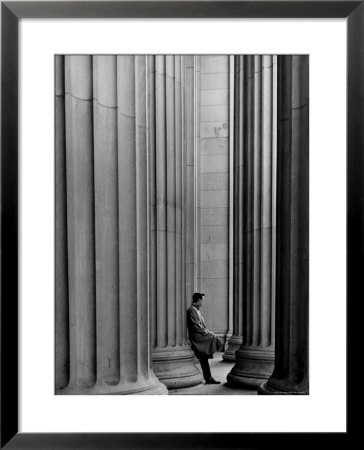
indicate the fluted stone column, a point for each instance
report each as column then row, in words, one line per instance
column 236, row 339
column 173, row 360
column 61, row 266
column 254, row 219
column 190, row 88
column 290, row 374
column 102, row 302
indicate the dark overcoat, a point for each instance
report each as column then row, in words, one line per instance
column 202, row 339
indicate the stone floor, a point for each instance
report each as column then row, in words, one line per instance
column 219, row 370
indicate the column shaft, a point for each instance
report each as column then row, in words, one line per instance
column 180, row 173
column 108, row 220
column 189, row 153
column 161, row 204
column 254, row 259
column 61, row 268
column 172, row 356
column 237, row 337
column 171, row 205
column 80, row 220
column 290, row 374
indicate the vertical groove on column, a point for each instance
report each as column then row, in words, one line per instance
column 239, row 190
column 81, row 231
column 197, row 178
column 266, row 202
column 61, row 267
column 241, row 264
column 138, row 219
column 161, row 199
column 127, row 217
column 284, row 197
column 171, row 198
column 231, row 241
column 274, row 199
column 146, row 351
column 152, row 196
column 179, row 260
column 190, row 212
column 248, row 201
column 183, row 162
column 142, row 206
column 256, row 233
column 106, row 219
column 238, row 201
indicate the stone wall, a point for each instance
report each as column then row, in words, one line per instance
column 213, row 150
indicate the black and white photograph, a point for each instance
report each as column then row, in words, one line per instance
column 181, row 224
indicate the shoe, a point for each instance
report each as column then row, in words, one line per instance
column 212, row 381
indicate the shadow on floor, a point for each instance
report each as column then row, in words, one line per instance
column 219, row 370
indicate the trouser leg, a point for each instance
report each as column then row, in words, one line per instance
column 205, row 368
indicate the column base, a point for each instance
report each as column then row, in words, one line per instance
column 281, row 387
column 253, row 367
column 233, row 345
column 150, row 386
column 175, row 367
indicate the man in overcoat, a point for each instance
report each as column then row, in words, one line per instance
column 203, row 341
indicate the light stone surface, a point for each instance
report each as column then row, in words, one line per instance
column 215, row 310
column 214, row 146
column 214, row 198
column 214, row 129
column 214, row 269
column 216, row 80
column 215, row 97
column 214, row 252
column 214, row 64
column 214, row 234
column 105, row 331
column 214, row 164
column 214, row 216
column 214, row 181
column 213, row 113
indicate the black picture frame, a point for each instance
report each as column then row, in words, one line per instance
column 11, row 12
